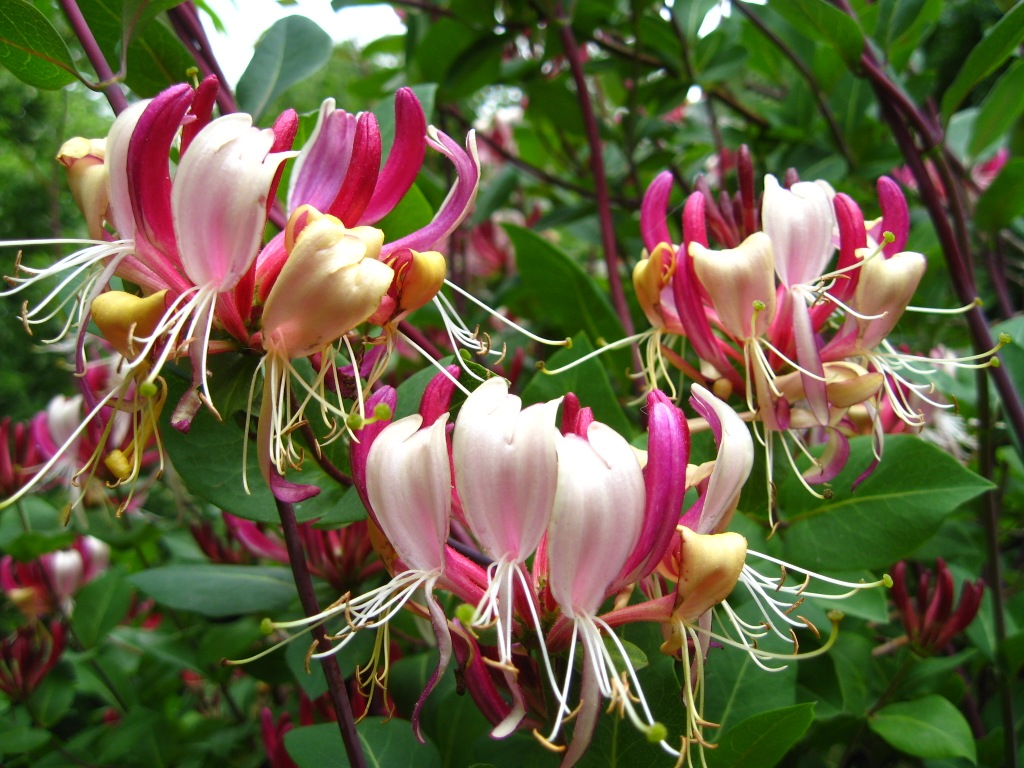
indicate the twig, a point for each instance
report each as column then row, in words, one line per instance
column 812, row 82
column 115, row 96
column 604, row 211
column 307, row 597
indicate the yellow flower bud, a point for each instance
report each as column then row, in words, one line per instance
column 87, row 178
column 124, row 318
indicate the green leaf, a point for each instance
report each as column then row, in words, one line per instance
column 987, row 56
column 763, row 740
column 51, row 700
column 1003, row 201
column 1001, row 108
column 385, row 742
column 291, row 50
column 929, row 727
column 895, row 510
column 737, row 689
column 589, row 381
column 209, row 457
column 568, row 296
column 99, row 607
column 412, row 212
column 833, row 26
column 218, row 590
column 22, row 738
column 31, row 48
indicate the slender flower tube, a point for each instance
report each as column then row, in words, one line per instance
column 505, row 471
column 596, row 523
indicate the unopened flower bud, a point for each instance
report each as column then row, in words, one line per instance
column 330, row 283
column 124, row 318
column 87, row 178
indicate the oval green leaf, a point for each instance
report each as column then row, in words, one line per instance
column 31, row 48
column 291, row 50
column 895, row 510
column 218, row 590
column 929, row 727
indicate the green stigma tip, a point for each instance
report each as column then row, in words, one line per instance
column 656, row 733
column 759, row 305
column 836, row 616
column 889, row 237
column 994, row 362
column 568, row 343
column 354, row 421
column 267, row 626
column 382, row 411
column 148, row 389
column 464, row 613
column 887, row 580
column 1005, row 338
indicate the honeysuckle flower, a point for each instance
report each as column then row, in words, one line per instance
column 27, row 656
column 194, row 237
column 505, row 471
column 49, row 582
column 926, row 609
column 595, row 525
column 330, row 283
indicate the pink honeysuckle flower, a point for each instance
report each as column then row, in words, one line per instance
column 596, row 523
column 409, row 490
column 50, row 582
column 27, row 656
column 330, row 283
column 505, row 471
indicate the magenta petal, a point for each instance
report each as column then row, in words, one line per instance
column 404, row 159
column 361, row 176
column 202, row 110
column 852, row 237
column 149, row 178
column 287, row 491
column 360, row 448
column 668, row 451
column 895, row 214
column 437, row 396
column 460, row 199
column 832, row 461
column 321, row 167
column 654, row 212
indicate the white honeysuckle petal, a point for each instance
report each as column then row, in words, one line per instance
column 800, row 222
column 408, row 482
column 219, row 199
column 597, row 518
column 505, row 469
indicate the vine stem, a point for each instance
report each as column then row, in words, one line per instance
column 604, row 210
column 115, row 96
column 310, row 606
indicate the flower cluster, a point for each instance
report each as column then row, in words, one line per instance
column 536, row 524
column 770, row 318
column 176, row 202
